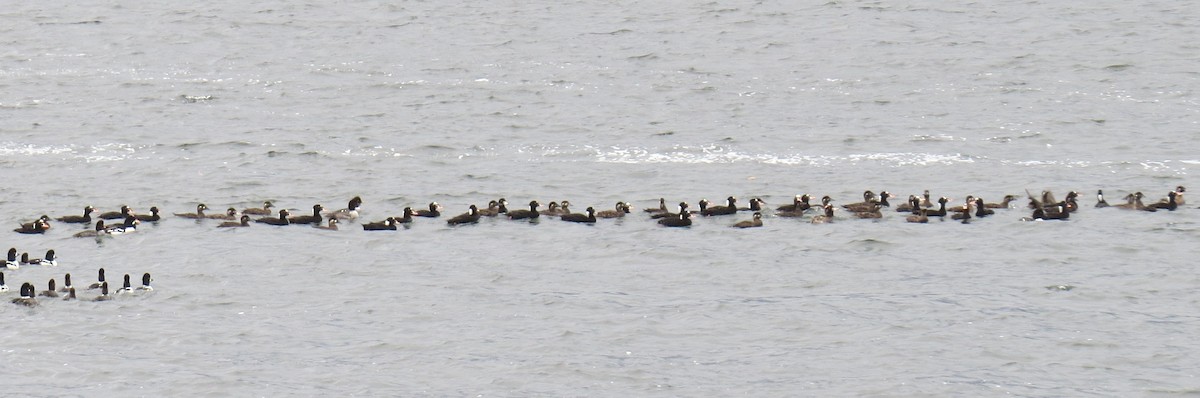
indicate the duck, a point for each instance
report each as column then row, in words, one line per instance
column 754, row 222
column 50, row 291
column 26, row 298
column 590, row 217
column 551, row 209
column 1058, row 212
column 99, row 280
column 86, row 218
column 1179, row 190
column 331, row 226
column 50, row 259
column 662, row 207
column 981, row 209
column 799, row 204
column 826, row 218
column 407, row 216
column 1100, row 202
column 876, row 211
column 351, row 210
column 435, row 210
column 129, row 226
column 558, row 209
column 153, row 216
column 964, row 212
column 522, row 214
column 260, row 211
column 756, row 205
column 619, row 211
column 386, row 225
column 126, row 287
column 926, row 200
column 941, row 211
column 495, row 208
column 199, row 214
column 315, row 218
column 3, row 287
column 967, row 205
column 683, row 206
column 918, row 215
column 36, row 227
column 243, row 222
column 1138, row 205
column 796, row 209
column 12, row 263
column 145, row 283
column 103, row 293
column 681, row 219
column 1170, row 205
column 94, row 233
column 229, row 214
column 867, row 203
column 907, row 207
column 1130, row 203
column 70, row 295
column 281, row 220
column 729, row 208
column 470, row 217
column 116, row 215
column 1004, row 204
column 33, row 223
column 66, row 283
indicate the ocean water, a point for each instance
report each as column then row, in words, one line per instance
column 231, row 104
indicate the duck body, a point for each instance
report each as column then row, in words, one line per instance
column 470, row 217
column 152, row 217
column 260, row 211
column 522, row 214
column 243, row 222
column 754, row 222
column 589, row 218
column 229, row 214
column 386, row 225
column 729, row 208
column 681, row 219
column 86, row 218
column 127, row 227
column 434, row 211
column 278, row 221
column 199, row 214
column 115, row 215
column 315, row 218
column 350, row 212
column 619, row 211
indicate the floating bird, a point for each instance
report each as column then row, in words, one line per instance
column 199, row 214
column 470, row 217
column 621, row 210
column 385, row 225
column 589, row 218
column 244, row 222
column 521, row 214
column 281, row 220
column 260, row 211
column 752, row 223
column 86, row 218
column 435, row 210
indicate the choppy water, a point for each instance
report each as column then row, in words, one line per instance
column 231, row 104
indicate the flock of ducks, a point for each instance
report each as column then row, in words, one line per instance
column 918, row 208
column 29, row 294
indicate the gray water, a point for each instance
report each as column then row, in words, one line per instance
column 231, row 104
